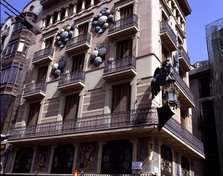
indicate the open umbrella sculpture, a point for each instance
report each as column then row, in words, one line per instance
column 63, row 36
column 102, row 21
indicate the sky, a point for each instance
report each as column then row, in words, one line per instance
column 203, row 12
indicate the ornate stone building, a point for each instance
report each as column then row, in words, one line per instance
column 91, row 100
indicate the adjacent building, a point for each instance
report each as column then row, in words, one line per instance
column 204, row 123
column 214, row 36
column 87, row 103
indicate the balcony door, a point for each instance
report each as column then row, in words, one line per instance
column 126, row 11
column 42, row 72
column 70, row 111
column 124, row 48
column 83, row 29
column 121, row 97
column 71, row 107
column 33, row 114
column 78, row 62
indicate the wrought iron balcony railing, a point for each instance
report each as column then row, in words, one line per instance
column 140, row 117
column 124, row 23
column 72, row 77
column 182, row 133
column 165, row 27
column 120, row 64
column 183, row 86
column 182, row 53
column 120, row 120
column 79, row 40
column 35, row 87
column 43, row 54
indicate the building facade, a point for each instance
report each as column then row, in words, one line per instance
column 204, row 123
column 214, row 37
column 88, row 103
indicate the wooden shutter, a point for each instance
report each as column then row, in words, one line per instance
column 124, row 48
column 33, row 113
column 78, row 62
column 42, row 74
column 121, row 97
column 71, row 107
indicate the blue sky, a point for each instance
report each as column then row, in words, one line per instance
column 203, row 13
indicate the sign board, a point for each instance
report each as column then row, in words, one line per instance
column 136, row 165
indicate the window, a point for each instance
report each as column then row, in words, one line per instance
column 88, row 4
column 166, row 161
column 78, row 62
column 205, row 86
column 126, row 11
column 207, row 109
column 22, row 47
column 63, row 159
column 49, row 42
column 79, row 6
column 83, row 29
column 42, row 72
column 17, row 26
column 96, row 2
column 124, row 48
column 121, row 97
column 33, row 114
column 14, row 72
column 10, row 74
column 185, row 166
column 12, row 48
column 71, row 107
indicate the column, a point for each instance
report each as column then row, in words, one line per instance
column 134, row 149
column 43, row 22
column 169, row 4
column 92, row 2
column 100, row 150
column 76, row 146
column 59, row 16
column 75, row 9
column 174, row 10
column 51, row 158
column 83, row 5
column 51, row 20
column 66, row 12
column 33, row 160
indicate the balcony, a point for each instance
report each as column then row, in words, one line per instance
column 43, row 56
column 184, row 59
column 72, row 81
column 120, row 69
column 185, row 96
column 168, row 36
column 79, row 43
column 182, row 134
column 130, row 122
column 123, row 27
column 35, row 91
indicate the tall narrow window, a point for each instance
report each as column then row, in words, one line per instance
column 166, row 161
column 185, row 166
column 124, row 48
column 42, row 74
column 49, row 42
column 121, row 97
column 126, row 11
column 33, row 114
column 78, row 62
column 71, row 107
column 83, row 29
